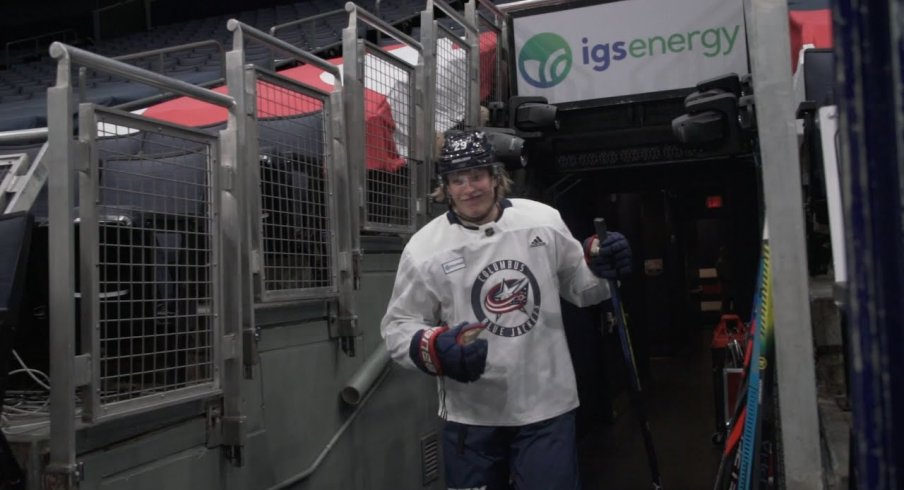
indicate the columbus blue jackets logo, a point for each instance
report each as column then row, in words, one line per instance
column 506, row 297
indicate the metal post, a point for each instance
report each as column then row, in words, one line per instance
column 61, row 470
column 422, row 134
column 236, row 303
column 428, row 41
column 242, row 82
column 89, row 257
column 767, row 30
column 350, row 176
column 473, row 39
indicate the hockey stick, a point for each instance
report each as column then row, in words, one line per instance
column 631, row 367
column 759, row 376
column 730, row 463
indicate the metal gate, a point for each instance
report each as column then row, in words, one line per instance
column 140, row 261
column 384, row 127
column 451, row 82
column 492, row 35
column 295, row 232
column 148, row 250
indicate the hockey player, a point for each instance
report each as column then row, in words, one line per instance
column 476, row 303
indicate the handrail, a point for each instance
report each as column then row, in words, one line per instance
column 329, row 446
column 363, row 379
column 453, row 14
column 170, row 49
column 305, row 20
column 173, row 49
column 491, row 7
column 529, row 4
column 299, row 54
column 156, row 99
column 23, row 135
column 60, row 51
column 383, row 26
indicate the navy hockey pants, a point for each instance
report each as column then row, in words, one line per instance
column 538, row 456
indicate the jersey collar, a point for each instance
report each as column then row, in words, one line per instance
column 455, row 220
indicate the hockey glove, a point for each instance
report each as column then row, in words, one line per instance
column 453, row 352
column 613, row 259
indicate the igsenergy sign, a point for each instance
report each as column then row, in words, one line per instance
column 719, row 41
column 628, row 47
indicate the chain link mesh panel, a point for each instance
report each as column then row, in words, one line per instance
column 153, row 297
column 388, row 112
column 296, row 205
column 452, row 91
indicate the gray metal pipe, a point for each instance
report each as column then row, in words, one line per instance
column 491, row 7
column 171, row 49
column 454, row 14
column 305, row 20
column 85, row 58
column 382, row 25
column 361, row 382
column 530, row 4
column 287, row 48
column 307, row 472
column 20, row 136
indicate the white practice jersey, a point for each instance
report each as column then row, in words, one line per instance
column 508, row 274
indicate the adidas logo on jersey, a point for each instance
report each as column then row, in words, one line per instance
column 537, row 242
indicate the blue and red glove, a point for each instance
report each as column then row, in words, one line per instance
column 453, row 352
column 613, row 258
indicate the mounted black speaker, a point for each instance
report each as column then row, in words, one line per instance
column 819, row 76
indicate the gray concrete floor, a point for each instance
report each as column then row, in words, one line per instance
column 679, row 399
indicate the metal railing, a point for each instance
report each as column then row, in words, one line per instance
column 161, row 55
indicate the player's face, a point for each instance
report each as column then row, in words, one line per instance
column 472, row 194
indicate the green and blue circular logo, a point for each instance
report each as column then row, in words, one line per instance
column 544, row 60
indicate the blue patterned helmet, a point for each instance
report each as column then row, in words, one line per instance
column 463, row 150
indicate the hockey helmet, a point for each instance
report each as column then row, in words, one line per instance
column 464, row 150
